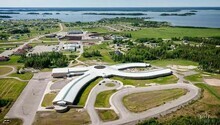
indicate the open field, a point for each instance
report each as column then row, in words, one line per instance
column 46, row 43
column 169, row 32
column 107, row 115
column 195, row 78
column 161, row 80
column 48, row 99
column 25, row 76
column 102, row 99
column 13, row 61
column 104, row 51
column 139, row 102
column 10, row 89
column 207, row 106
column 84, row 95
column 166, row 62
column 96, row 29
column 211, row 89
column 5, row 70
column 69, row 118
column 110, row 84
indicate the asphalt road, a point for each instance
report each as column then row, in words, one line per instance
column 27, row 103
column 89, row 106
column 10, row 52
column 125, row 116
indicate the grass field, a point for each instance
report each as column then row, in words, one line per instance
column 85, row 93
column 107, row 115
column 5, row 70
column 104, row 50
column 48, row 98
column 164, row 63
column 102, row 99
column 10, row 89
column 161, row 80
column 211, row 89
column 110, row 84
column 25, row 76
column 207, row 106
column 194, row 78
column 69, row 118
column 96, row 29
column 169, row 32
column 13, row 61
column 139, row 102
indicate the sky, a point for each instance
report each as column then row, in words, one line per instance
column 110, row 3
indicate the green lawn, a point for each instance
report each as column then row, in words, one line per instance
column 10, row 89
column 169, row 32
column 160, row 80
column 102, row 99
column 25, row 76
column 195, row 78
column 96, row 29
column 86, row 91
column 13, row 61
column 48, row 98
column 107, row 115
column 110, row 84
column 139, row 102
column 104, row 50
column 166, row 62
column 5, row 70
column 210, row 89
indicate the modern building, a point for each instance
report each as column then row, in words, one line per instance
column 68, row 94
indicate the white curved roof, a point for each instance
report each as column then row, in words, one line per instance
column 70, row 91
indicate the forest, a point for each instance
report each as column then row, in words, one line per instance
column 44, row 60
column 208, row 56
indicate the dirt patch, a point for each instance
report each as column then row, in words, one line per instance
column 213, row 82
column 69, row 118
column 182, row 68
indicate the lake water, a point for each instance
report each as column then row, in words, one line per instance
column 205, row 17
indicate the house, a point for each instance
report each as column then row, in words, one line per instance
column 20, row 52
column 4, row 58
column 27, row 47
column 73, row 37
column 71, row 47
column 75, row 32
column 51, row 36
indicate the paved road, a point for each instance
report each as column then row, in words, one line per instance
column 27, row 103
column 10, row 52
column 89, row 106
column 126, row 116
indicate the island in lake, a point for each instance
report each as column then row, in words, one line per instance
column 5, row 16
column 32, row 13
column 47, row 13
column 119, row 14
column 9, row 12
column 177, row 14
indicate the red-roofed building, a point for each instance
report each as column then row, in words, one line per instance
column 4, row 58
column 20, row 52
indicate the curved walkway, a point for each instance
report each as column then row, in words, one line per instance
column 125, row 116
column 13, row 71
column 90, row 103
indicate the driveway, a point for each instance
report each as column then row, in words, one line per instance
column 27, row 103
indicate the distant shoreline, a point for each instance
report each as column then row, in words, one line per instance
column 144, row 9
